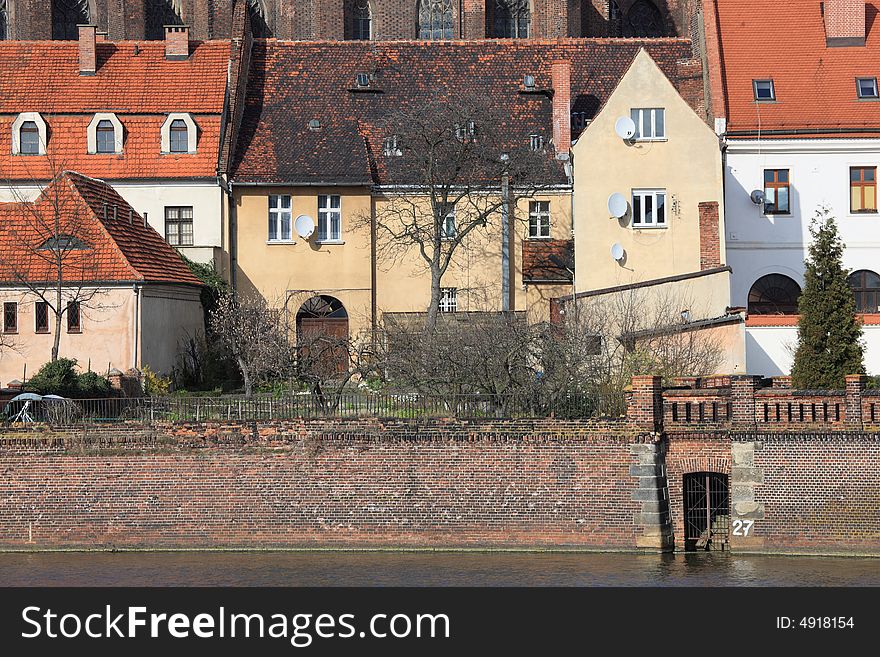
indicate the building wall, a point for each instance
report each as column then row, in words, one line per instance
column 770, row 349
column 687, row 165
column 106, row 341
column 169, row 315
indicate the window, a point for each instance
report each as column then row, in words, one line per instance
column 10, row 317
column 435, row 19
column 777, row 191
column 63, row 242
column 358, row 19
column 4, row 20
column 536, row 142
column 649, row 208
column 650, row 123
column 41, row 317
column 863, row 189
column 465, row 131
column 448, row 303
column 865, row 285
column 179, row 226
column 29, row 138
column 613, row 10
column 66, row 16
column 449, row 229
column 774, row 294
column 329, row 218
column 73, row 317
column 105, row 137
column 764, row 90
column 390, row 146
column 179, row 137
column 539, row 219
column 511, row 19
column 643, row 19
column 279, row 218
column 867, row 87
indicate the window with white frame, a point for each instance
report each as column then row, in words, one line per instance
column 650, row 123
column 390, row 147
column 649, row 208
column 329, row 218
column 448, row 303
column 29, row 134
column 539, row 219
column 179, row 134
column 104, row 134
column 179, row 225
column 536, row 142
column 279, row 218
column 448, row 230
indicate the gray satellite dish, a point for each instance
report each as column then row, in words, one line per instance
column 305, row 226
column 617, row 205
column 625, row 128
column 617, row 251
column 757, row 197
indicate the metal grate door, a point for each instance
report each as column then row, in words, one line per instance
column 706, row 511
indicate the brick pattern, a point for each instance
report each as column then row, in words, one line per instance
column 710, row 242
column 87, row 48
column 560, row 75
column 844, row 19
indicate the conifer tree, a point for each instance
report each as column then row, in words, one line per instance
column 829, row 335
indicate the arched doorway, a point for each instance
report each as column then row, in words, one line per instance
column 774, row 294
column 322, row 335
column 706, row 511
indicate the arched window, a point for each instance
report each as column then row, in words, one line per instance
column 358, row 20
column 158, row 14
column 105, row 134
column 179, row 141
column 774, row 294
column 259, row 26
column 66, row 15
column 511, row 19
column 29, row 138
column 644, row 20
column 866, row 288
column 4, row 21
column 435, row 19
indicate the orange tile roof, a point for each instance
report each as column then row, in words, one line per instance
column 142, row 88
column 121, row 248
column 867, row 319
column 815, row 85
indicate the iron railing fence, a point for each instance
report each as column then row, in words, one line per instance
column 305, row 405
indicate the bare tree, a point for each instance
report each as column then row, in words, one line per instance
column 459, row 169
column 49, row 249
column 254, row 334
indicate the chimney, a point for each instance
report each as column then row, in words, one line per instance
column 101, row 36
column 87, row 57
column 844, row 23
column 176, row 42
column 710, row 242
column 561, row 79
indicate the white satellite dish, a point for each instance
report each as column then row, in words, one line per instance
column 617, row 251
column 305, row 226
column 625, row 128
column 617, row 205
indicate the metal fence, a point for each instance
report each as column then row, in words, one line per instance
column 385, row 405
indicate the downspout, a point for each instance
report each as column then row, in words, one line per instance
column 373, row 272
column 505, row 241
column 137, row 323
column 573, row 238
column 233, row 240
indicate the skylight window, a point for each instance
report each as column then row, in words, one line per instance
column 867, row 87
column 764, row 90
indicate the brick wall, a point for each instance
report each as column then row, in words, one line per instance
column 355, row 484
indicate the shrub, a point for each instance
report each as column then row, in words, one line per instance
column 61, row 378
column 154, row 384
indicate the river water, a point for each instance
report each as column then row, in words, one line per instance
column 429, row 569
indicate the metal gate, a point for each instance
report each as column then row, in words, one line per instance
column 706, row 511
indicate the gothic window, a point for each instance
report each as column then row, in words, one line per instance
column 158, row 14
column 435, row 19
column 644, row 20
column 259, row 25
column 358, row 20
column 66, row 15
column 4, row 21
column 511, row 19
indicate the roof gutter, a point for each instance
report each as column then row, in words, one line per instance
column 800, row 131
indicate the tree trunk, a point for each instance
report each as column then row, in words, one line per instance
column 245, row 375
column 434, row 305
column 56, row 344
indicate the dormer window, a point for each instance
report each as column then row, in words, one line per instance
column 764, row 90
column 390, row 146
column 179, row 134
column 465, row 131
column 536, row 142
column 29, row 134
column 104, row 134
column 867, row 87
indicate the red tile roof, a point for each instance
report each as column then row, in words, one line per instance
column 121, row 248
column 294, row 82
column 133, row 80
column 815, row 85
column 546, row 261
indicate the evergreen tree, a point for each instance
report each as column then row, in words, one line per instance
column 829, row 334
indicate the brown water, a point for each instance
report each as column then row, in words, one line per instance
column 429, row 569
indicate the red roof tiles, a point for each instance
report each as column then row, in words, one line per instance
column 815, row 84
column 120, row 247
column 547, row 261
column 133, row 80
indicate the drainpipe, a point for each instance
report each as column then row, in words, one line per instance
column 137, row 322
column 233, row 241
column 505, row 238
